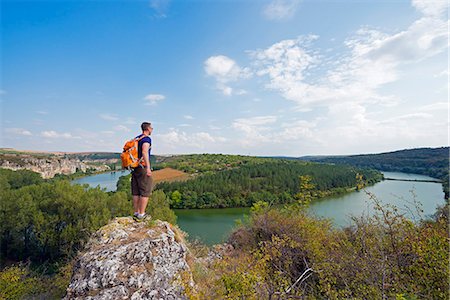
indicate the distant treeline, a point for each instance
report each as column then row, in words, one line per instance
column 275, row 181
column 209, row 163
column 433, row 162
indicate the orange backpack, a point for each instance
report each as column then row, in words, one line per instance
column 129, row 155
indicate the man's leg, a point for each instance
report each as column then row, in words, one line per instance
column 142, row 204
column 136, row 203
column 147, row 186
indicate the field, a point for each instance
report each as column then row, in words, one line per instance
column 169, row 175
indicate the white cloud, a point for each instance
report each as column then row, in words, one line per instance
column 241, row 92
column 42, row 112
column 109, row 117
column 108, row 132
column 296, row 130
column 410, row 116
column 281, row 9
column 154, row 98
column 188, row 117
column 176, row 140
column 130, row 121
column 294, row 67
column 438, row 106
column 443, row 73
column 53, row 134
column 433, row 8
column 255, row 129
column 18, row 131
column 122, row 128
column 225, row 70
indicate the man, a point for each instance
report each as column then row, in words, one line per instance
column 141, row 176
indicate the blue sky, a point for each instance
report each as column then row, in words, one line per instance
column 279, row 77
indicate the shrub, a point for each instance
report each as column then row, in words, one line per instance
column 286, row 253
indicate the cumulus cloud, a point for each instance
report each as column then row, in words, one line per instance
column 225, row 70
column 188, row 117
column 153, row 99
column 255, row 129
column 373, row 58
column 280, row 9
column 299, row 129
column 53, row 135
column 18, row 131
column 433, row 8
column 175, row 140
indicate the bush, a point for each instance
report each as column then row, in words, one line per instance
column 158, row 207
column 286, row 253
column 51, row 221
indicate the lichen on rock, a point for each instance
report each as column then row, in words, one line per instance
column 130, row 260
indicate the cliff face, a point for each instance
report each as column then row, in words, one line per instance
column 130, row 260
column 47, row 167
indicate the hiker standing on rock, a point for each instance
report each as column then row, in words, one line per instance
column 141, row 176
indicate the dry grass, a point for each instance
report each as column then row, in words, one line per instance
column 168, row 175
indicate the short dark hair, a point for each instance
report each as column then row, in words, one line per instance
column 145, row 126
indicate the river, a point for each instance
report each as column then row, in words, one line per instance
column 213, row 225
column 106, row 181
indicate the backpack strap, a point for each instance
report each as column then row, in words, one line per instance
column 142, row 157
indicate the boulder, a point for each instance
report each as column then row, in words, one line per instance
column 132, row 260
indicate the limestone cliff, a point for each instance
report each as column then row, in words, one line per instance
column 130, row 260
column 48, row 166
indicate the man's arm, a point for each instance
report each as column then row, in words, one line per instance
column 145, row 148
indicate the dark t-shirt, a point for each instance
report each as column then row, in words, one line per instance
column 146, row 139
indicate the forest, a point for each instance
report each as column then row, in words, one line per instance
column 275, row 181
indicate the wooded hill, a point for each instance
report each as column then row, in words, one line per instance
column 258, row 179
column 433, row 162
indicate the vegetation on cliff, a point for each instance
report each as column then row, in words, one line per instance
column 285, row 253
column 46, row 222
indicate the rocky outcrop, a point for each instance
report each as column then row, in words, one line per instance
column 130, row 260
column 48, row 167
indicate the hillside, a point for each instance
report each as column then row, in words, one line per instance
column 433, row 162
column 256, row 179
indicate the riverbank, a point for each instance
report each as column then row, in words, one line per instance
column 212, row 226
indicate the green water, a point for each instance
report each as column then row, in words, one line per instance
column 106, row 181
column 210, row 225
column 213, row 225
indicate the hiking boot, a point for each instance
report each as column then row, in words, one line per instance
column 140, row 219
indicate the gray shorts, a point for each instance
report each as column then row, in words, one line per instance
column 141, row 184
